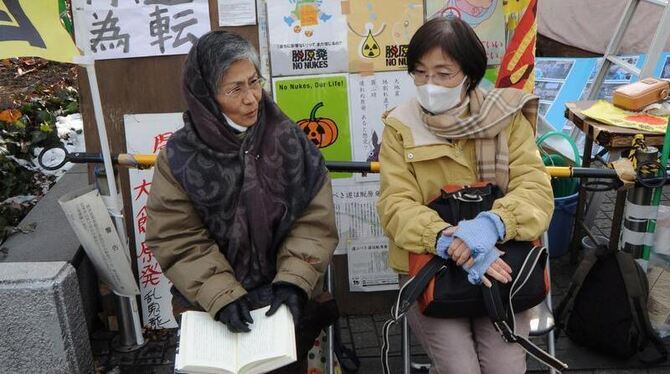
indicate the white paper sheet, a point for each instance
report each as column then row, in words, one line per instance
column 93, row 226
column 370, row 96
column 356, row 213
column 367, row 262
column 237, row 12
column 148, row 134
column 129, row 28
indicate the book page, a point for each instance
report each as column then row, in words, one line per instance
column 205, row 345
column 270, row 344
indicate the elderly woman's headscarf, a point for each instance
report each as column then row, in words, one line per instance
column 249, row 191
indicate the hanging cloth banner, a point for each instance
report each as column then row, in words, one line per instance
column 34, row 28
column 518, row 62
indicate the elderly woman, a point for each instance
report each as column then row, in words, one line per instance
column 240, row 213
column 455, row 133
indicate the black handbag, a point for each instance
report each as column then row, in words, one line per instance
column 443, row 291
column 446, row 290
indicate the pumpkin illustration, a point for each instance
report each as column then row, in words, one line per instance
column 321, row 131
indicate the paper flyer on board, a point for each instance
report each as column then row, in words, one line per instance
column 237, row 12
column 307, row 37
column 379, row 32
column 88, row 216
column 371, row 96
column 356, row 212
column 485, row 16
column 319, row 105
column 367, row 262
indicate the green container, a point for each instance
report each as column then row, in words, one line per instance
column 562, row 187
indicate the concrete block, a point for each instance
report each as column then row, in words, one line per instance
column 43, row 324
column 53, row 240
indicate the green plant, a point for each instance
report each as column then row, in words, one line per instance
column 24, row 127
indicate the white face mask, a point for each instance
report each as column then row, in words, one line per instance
column 438, row 99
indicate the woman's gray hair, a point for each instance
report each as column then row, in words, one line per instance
column 217, row 50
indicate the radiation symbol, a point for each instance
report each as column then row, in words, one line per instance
column 370, row 47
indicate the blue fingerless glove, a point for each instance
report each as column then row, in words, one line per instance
column 442, row 246
column 482, row 263
column 481, row 233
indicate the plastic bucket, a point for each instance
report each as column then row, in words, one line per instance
column 562, row 222
column 562, row 187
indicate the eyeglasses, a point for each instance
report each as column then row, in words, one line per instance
column 440, row 78
column 255, row 84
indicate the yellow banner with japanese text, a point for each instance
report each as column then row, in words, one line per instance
column 33, row 28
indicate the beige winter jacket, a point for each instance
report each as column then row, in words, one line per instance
column 415, row 164
column 193, row 262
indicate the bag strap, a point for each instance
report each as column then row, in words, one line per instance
column 503, row 318
column 407, row 295
column 564, row 309
column 411, row 290
column 636, row 295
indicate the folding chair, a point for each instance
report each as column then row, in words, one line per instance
column 542, row 315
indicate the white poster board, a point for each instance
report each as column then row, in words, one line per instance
column 361, row 235
column 307, row 37
column 370, row 96
column 132, row 28
column 148, row 134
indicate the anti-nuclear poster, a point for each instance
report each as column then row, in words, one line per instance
column 307, row 37
column 371, row 96
column 485, row 16
column 379, row 32
column 148, row 134
column 319, row 105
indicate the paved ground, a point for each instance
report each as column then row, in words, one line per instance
column 362, row 333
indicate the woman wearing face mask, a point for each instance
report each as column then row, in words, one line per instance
column 455, row 133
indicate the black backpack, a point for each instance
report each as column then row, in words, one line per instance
column 605, row 308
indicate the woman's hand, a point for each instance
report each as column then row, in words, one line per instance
column 459, row 252
column 499, row 270
column 236, row 315
column 293, row 296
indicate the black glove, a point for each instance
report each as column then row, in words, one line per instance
column 236, row 315
column 291, row 295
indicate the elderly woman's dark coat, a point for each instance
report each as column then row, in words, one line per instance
column 228, row 215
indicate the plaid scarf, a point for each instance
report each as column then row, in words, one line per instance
column 483, row 116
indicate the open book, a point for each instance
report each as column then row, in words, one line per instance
column 206, row 345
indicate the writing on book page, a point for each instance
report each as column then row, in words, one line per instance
column 270, row 338
column 206, row 342
column 207, row 346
